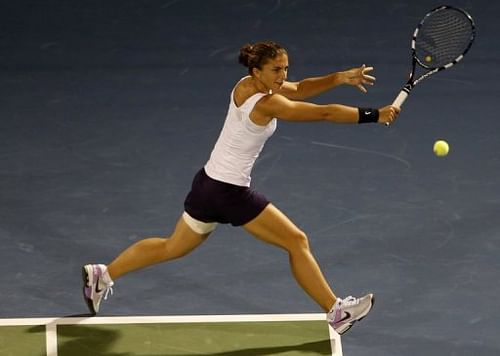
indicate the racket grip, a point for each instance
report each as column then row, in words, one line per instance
column 400, row 99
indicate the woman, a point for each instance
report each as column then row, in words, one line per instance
column 220, row 191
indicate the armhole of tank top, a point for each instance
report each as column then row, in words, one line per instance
column 234, row 89
column 252, row 105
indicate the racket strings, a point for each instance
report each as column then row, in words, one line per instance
column 443, row 36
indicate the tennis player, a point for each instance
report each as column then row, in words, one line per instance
column 221, row 190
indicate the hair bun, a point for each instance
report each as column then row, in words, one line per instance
column 245, row 53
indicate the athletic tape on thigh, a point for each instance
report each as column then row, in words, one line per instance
column 199, row 227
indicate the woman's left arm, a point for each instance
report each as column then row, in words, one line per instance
column 358, row 77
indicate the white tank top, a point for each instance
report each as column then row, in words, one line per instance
column 239, row 143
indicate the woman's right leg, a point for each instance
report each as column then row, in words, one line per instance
column 155, row 250
column 98, row 279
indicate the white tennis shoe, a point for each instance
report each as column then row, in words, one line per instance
column 345, row 312
column 94, row 286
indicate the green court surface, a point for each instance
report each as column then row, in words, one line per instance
column 182, row 336
column 22, row 340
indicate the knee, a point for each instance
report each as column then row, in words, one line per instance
column 173, row 249
column 169, row 250
column 298, row 241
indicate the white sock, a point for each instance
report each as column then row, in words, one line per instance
column 105, row 275
column 335, row 305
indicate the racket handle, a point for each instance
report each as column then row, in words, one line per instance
column 400, row 99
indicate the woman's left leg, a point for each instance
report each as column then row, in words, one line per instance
column 274, row 227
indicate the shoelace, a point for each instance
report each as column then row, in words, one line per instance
column 109, row 289
column 350, row 301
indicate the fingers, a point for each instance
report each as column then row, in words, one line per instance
column 361, row 88
column 390, row 114
column 369, row 79
column 365, row 69
column 359, row 77
column 365, row 77
column 364, row 82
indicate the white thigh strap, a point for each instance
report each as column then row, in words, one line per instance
column 197, row 226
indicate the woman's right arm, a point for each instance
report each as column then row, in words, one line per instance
column 280, row 107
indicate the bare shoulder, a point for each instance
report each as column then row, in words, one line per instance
column 244, row 89
column 273, row 99
column 270, row 104
column 289, row 90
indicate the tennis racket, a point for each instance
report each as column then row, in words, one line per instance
column 439, row 42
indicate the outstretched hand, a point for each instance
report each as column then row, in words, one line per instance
column 359, row 77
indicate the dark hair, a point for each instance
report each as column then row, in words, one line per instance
column 257, row 54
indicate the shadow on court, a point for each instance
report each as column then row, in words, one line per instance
column 87, row 340
column 75, row 340
column 104, row 343
column 181, row 339
column 317, row 347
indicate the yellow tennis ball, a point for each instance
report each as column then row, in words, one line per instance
column 441, row 148
column 428, row 58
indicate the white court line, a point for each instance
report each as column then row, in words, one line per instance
column 51, row 323
column 335, row 342
column 51, row 339
column 161, row 319
column 362, row 150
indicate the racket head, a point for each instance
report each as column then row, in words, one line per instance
column 443, row 37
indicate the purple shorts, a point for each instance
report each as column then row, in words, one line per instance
column 211, row 200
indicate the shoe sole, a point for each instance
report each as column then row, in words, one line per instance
column 85, row 278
